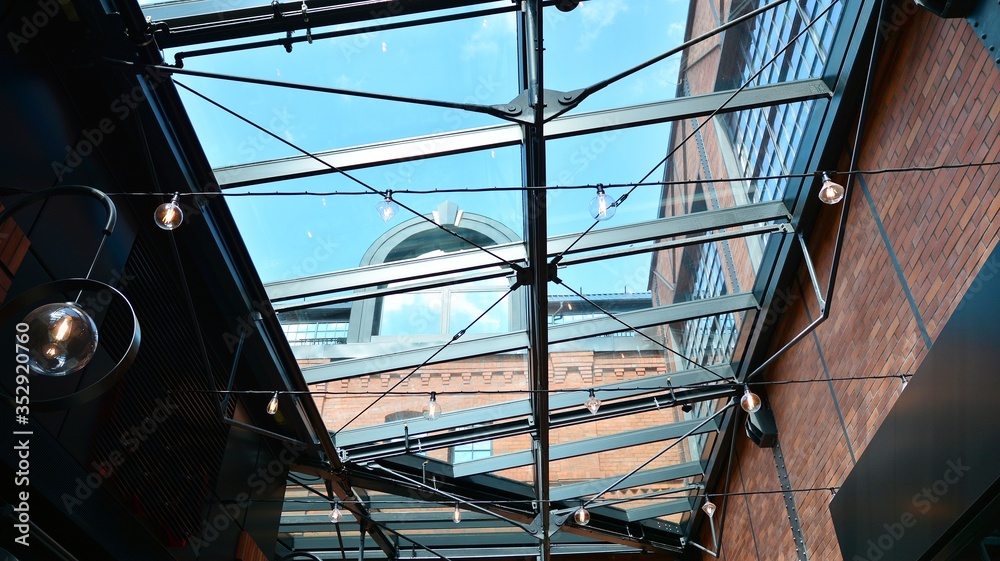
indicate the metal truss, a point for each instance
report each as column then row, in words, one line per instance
column 499, row 136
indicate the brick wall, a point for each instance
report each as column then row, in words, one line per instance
column 13, row 246
column 475, row 378
column 935, row 101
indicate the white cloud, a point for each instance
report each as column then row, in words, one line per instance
column 596, row 16
column 489, row 34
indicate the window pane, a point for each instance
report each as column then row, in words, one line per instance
column 411, row 314
column 467, row 306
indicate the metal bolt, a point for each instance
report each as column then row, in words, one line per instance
column 511, row 108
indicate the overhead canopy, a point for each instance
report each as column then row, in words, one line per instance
column 494, row 127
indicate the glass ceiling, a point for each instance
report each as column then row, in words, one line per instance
column 653, row 310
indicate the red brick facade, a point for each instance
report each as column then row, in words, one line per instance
column 935, row 101
column 508, row 373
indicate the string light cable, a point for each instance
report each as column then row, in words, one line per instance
column 637, row 331
column 569, row 187
column 426, row 361
column 386, row 505
column 384, row 194
column 708, row 119
column 842, row 225
column 735, row 385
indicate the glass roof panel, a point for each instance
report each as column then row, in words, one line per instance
column 365, row 303
column 608, row 158
column 483, row 394
column 296, row 236
column 611, row 37
column 468, row 61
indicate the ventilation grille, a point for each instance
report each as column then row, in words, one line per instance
column 159, row 424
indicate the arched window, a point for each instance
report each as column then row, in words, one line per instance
column 441, row 311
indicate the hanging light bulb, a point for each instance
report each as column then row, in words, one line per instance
column 457, row 515
column 335, row 514
column 600, row 207
column 272, row 406
column 387, row 208
column 830, row 193
column 169, row 215
column 750, row 402
column 432, row 410
column 63, row 339
column 592, row 403
column 582, row 516
column 709, row 508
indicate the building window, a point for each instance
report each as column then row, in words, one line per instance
column 447, row 310
column 471, row 451
column 316, row 333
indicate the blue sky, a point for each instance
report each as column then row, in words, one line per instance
column 469, row 61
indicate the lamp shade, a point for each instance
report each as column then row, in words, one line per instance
column 61, row 339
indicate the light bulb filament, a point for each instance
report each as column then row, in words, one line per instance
column 62, row 329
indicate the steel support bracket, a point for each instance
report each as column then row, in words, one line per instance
column 555, row 103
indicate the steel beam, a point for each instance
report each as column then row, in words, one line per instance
column 522, row 408
column 399, row 521
column 508, row 548
column 647, row 477
column 584, row 447
column 666, row 508
column 509, row 342
column 499, row 136
column 427, row 269
column 421, row 443
column 209, row 21
column 531, row 49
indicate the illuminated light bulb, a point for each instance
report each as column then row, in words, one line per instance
column 600, row 207
column 52, row 351
column 432, row 410
column 336, row 515
column 830, row 193
column 387, row 208
column 592, row 403
column 63, row 338
column 582, row 516
column 169, row 216
column 709, row 508
column 62, row 329
column 272, row 406
column 750, row 402
column 457, row 515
